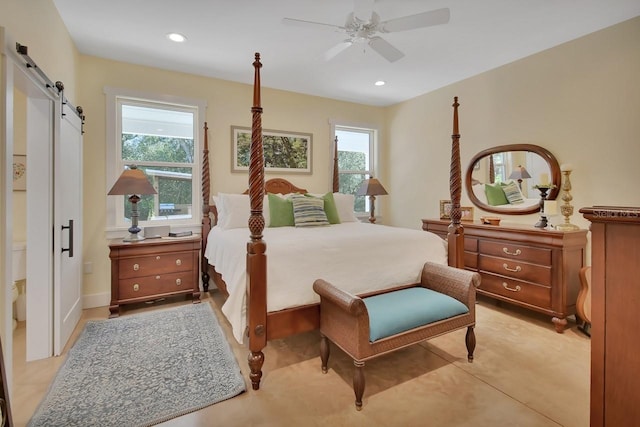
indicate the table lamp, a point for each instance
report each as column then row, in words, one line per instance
column 519, row 174
column 133, row 181
column 371, row 187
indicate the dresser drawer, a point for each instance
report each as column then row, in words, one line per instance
column 516, row 269
column 154, row 285
column 163, row 263
column 530, row 293
column 471, row 260
column 515, row 251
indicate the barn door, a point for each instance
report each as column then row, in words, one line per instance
column 67, row 283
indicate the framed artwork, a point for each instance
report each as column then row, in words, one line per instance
column 467, row 213
column 19, row 172
column 284, row 152
column 445, row 209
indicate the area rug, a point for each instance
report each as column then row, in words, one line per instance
column 142, row 369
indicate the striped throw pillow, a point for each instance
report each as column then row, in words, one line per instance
column 512, row 191
column 308, row 211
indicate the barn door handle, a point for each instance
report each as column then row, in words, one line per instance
column 70, row 248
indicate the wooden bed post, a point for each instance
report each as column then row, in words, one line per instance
column 206, row 218
column 455, row 237
column 256, row 248
column 336, row 175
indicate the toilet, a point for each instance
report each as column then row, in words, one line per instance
column 19, row 267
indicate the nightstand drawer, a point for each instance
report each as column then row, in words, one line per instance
column 162, row 263
column 516, row 269
column 527, row 292
column 517, row 251
column 153, row 285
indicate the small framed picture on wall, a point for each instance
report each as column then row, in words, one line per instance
column 19, row 172
column 445, row 209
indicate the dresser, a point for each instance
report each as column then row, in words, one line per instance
column 152, row 269
column 615, row 299
column 523, row 265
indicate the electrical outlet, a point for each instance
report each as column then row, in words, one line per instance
column 88, row 267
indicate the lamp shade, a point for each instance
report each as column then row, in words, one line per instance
column 132, row 181
column 371, row 187
column 519, row 173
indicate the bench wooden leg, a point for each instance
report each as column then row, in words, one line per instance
column 324, row 352
column 358, row 383
column 470, row 340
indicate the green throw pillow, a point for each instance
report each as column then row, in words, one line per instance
column 330, row 208
column 280, row 211
column 495, row 195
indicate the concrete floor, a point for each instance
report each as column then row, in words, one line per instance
column 524, row 374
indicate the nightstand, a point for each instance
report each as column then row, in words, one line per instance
column 153, row 268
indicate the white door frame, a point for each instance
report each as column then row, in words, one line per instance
column 41, row 103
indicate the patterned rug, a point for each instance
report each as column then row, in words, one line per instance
column 142, row 369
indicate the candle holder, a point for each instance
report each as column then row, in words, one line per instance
column 543, row 189
column 566, row 209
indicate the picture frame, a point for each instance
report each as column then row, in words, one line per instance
column 467, row 213
column 284, row 151
column 19, row 172
column 445, row 209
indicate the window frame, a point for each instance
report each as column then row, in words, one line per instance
column 372, row 167
column 116, row 226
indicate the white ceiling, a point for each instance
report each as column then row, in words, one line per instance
column 224, row 34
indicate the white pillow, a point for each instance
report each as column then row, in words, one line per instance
column 234, row 210
column 478, row 191
column 344, row 206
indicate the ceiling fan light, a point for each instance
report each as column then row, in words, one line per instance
column 176, row 37
column 380, row 83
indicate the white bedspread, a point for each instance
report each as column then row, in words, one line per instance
column 357, row 257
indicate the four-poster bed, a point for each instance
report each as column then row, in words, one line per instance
column 263, row 324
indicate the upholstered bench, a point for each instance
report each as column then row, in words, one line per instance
column 374, row 325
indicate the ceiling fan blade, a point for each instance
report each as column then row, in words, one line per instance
column 337, row 49
column 363, row 9
column 385, row 49
column 311, row 24
column 420, row 20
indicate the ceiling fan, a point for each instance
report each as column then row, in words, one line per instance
column 363, row 26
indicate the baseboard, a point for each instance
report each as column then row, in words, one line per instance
column 96, row 300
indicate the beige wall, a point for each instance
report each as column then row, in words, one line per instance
column 228, row 104
column 37, row 25
column 580, row 100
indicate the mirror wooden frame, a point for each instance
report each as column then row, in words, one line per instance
column 554, row 169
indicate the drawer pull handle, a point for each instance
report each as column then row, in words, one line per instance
column 178, row 261
column 516, row 253
column 178, row 282
column 136, row 287
column 158, row 257
column 516, row 289
column 157, row 277
column 515, row 270
column 136, row 267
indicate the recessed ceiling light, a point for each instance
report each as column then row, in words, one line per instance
column 380, row 83
column 176, row 37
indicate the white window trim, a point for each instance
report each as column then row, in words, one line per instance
column 374, row 153
column 113, row 230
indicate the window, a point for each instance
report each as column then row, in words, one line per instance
column 355, row 161
column 162, row 138
column 499, row 167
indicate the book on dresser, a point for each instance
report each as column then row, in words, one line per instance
column 523, row 265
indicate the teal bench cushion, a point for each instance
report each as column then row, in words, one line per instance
column 399, row 311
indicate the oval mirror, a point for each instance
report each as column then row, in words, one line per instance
column 516, row 168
